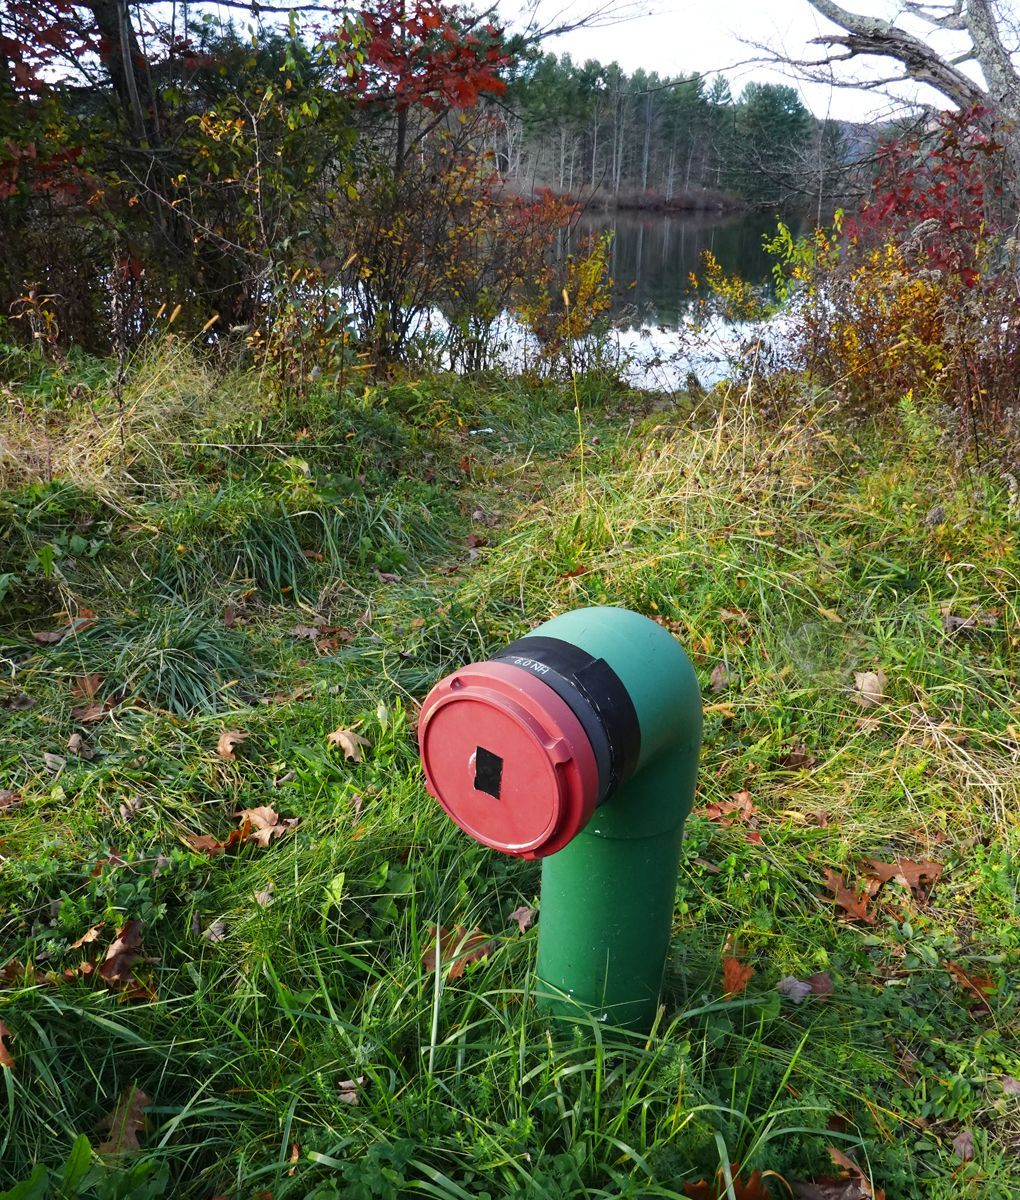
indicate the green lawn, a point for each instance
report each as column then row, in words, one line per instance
column 215, row 559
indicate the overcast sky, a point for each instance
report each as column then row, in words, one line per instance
column 695, row 36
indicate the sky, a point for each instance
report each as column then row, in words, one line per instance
column 706, row 36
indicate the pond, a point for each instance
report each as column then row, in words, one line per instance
column 654, row 255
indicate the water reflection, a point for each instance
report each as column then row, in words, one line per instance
column 653, row 257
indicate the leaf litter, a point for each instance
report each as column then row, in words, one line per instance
column 456, row 947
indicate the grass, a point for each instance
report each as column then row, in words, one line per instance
column 290, row 1036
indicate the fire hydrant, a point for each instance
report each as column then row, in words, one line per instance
column 578, row 744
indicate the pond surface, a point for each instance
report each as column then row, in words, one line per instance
column 653, row 257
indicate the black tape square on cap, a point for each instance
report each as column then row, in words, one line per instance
column 488, row 772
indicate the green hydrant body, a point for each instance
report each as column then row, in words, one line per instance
column 600, row 710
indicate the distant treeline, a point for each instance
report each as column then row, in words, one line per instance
column 642, row 140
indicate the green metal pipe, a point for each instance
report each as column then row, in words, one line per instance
column 608, row 896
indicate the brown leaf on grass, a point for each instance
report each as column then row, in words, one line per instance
column 739, row 807
column 88, row 936
column 86, row 687
column 954, row 624
column 736, row 976
column 856, row 907
column 457, row 947
column 310, row 632
column 77, row 746
column 6, row 1058
column 977, row 985
column 54, row 762
column 205, row 843
column 9, row 799
column 350, row 743
column 117, row 966
column 228, row 740
column 388, row 577
column 18, row 702
column 911, row 874
column 50, row 637
column 217, row 932
column 130, row 807
column 89, row 714
column 963, row 1145
column 720, row 677
column 820, row 983
column 870, row 686
column 349, row 1090
column 265, row 823
column 524, row 917
column 751, row 1188
column 264, row 898
column 124, row 1124
column 798, row 759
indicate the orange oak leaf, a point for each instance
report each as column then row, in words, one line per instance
column 736, row 976
column 855, row 907
column 6, row 1058
column 457, row 947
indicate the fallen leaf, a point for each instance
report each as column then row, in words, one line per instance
column 524, row 917
column 856, row 1175
column 89, row 714
column 86, row 687
column 54, row 762
column 794, row 989
column 830, row 614
column 88, row 936
column 977, row 985
column 265, row 897
column 311, row 632
column 9, row 798
column 754, row 838
column 820, row 983
column 18, row 702
column 388, row 577
column 205, row 843
column 854, row 906
column 265, row 823
column 963, row 1145
column 217, row 932
column 910, row 874
column 124, row 1124
column 130, row 808
column 349, row 1090
column 736, row 976
column 122, row 953
column 751, row 1188
column 1010, row 1085
column 357, row 802
column 739, row 807
column 870, row 687
column 954, row 624
column 798, row 759
column 77, row 745
column 228, row 739
column 350, row 743
column 457, row 947
column 50, row 637
column 720, row 677
column 6, row 1058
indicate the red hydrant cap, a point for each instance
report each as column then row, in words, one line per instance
column 507, row 759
